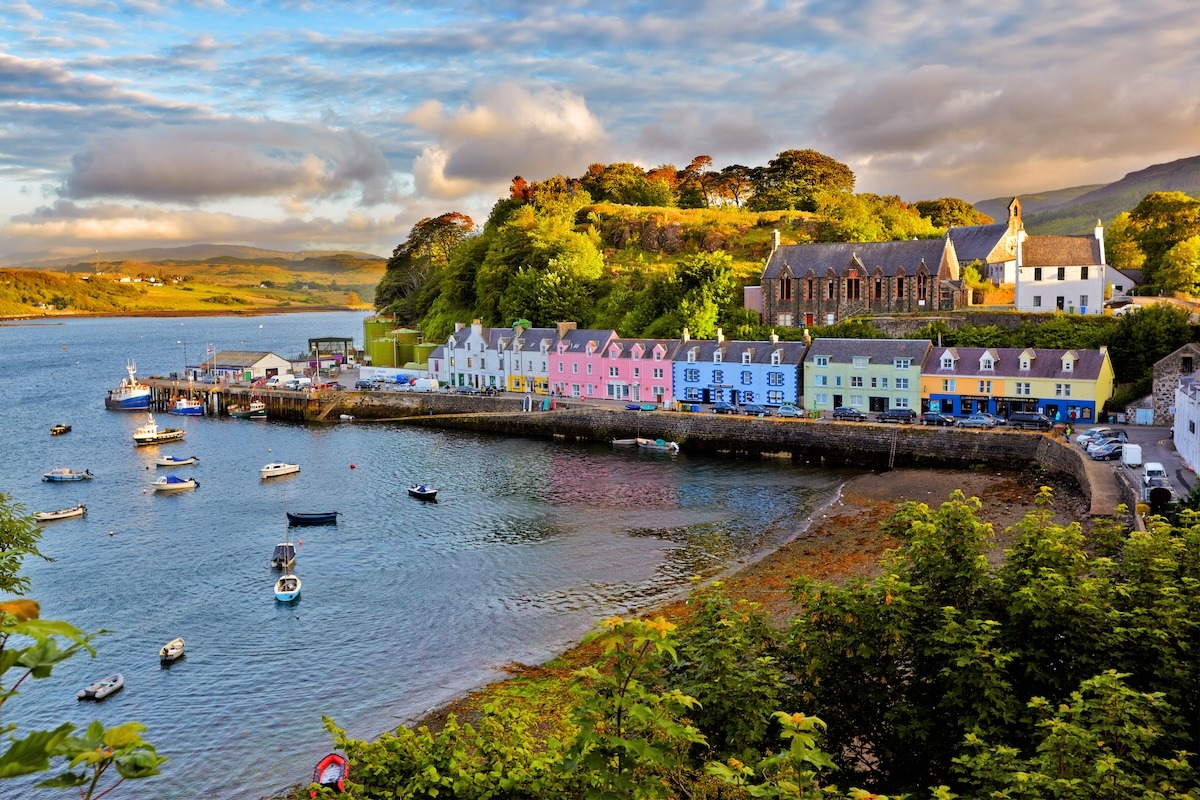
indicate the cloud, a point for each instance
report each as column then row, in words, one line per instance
column 509, row 130
column 197, row 162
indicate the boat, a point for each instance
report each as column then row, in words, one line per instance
column 63, row 513
column 287, row 588
column 60, row 429
column 346, row 417
column 130, row 394
column 102, row 688
column 284, row 555
column 171, row 651
column 318, row 518
column 278, row 468
column 175, row 461
column 624, row 442
column 330, row 772
column 174, row 483
column 658, row 445
column 423, row 491
column 63, row 474
column 255, row 409
column 150, row 433
column 186, row 406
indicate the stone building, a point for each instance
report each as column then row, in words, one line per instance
column 1167, row 372
column 993, row 246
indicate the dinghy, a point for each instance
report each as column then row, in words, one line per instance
column 330, row 772
column 171, row 651
column 63, row 513
column 423, row 491
column 102, row 688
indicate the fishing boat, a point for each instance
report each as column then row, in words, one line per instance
column 287, row 588
column 60, row 429
column 284, row 555
column 150, row 433
column 175, row 461
column 423, row 491
column 130, row 394
column 278, row 468
column 330, row 772
column 174, row 483
column 186, row 406
column 102, row 688
column 624, row 442
column 658, row 445
column 63, row 513
column 171, row 651
column 64, row 474
column 255, row 409
column 318, row 518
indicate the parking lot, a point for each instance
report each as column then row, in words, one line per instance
column 1157, row 446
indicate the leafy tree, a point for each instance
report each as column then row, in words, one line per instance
column 1159, row 222
column 851, row 328
column 1144, row 336
column 1180, row 270
column 1120, row 244
column 734, row 185
column 695, row 187
column 796, row 178
column 947, row 211
column 869, row 218
column 625, row 183
column 427, row 249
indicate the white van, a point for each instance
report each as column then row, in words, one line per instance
column 1151, row 470
column 298, row 382
column 276, row 381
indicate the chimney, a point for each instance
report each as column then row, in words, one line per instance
column 685, row 336
column 563, row 327
column 774, row 240
column 774, row 338
column 458, row 326
column 807, row 339
column 720, row 336
column 1100, row 238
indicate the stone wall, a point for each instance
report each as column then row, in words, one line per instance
column 1167, row 372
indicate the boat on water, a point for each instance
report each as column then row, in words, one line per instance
column 64, row 474
column 186, row 406
column 102, row 688
column 284, row 556
column 150, row 433
column 658, row 445
column 63, row 513
column 171, row 651
column 175, row 461
column 255, row 409
column 330, row 772
column 174, row 483
column 317, row 518
column 60, row 429
column 423, row 491
column 624, row 442
column 278, row 468
column 287, row 588
column 130, row 394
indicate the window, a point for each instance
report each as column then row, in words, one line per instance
column 718, row 376
column 853, row 289
column 775, row 359
column 785, row 288
column 837, row 380
column 785, row 320
column 821, row 361
column 883, row 382
column 614, row 352
column 947, row 362
column 985, row 387
column 775, row 379
column 747, row 397
column 561, row 367
column 691, row 356
column 874, row 383
column 829, row 290
column 1062, row 273
column 856, row 399
column 775, row 398
column 820, row 398
column 902, row 384
column 637, row 372
column 901, row 363
column 1186, row 365
column 1062, row 390
column 899, row 287
column 948, row 386
column 899, row 402
column 589, row 370
column 808, row 289
column 658, row 373
column 658, row 356
column 1023, row 388
column 716, row 356
column 820, row 380
column 747, row 377
column 691, row 375
column 986, row 363
column 614, row 372
column 745, row 358
column 1083, row 273
column 691, row 393
column 922, row 286
column 856, row 382
column 1037, row 301
column 1037, row 273
column 1083, row 301
column 879, row 288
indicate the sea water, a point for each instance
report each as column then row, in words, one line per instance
column 405, row 604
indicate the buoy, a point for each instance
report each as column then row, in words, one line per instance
column 110, row 533
column 351, row 466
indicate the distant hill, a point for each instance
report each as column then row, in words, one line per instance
column 188, row 254
column 1075, row 211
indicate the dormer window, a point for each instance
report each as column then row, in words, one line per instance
column 745, row 358
column 947, row 362
column 1068, row 364
column 986, row 363
column 716, row 356
column 776, row 358
column 692, row 356
column 1025, row 364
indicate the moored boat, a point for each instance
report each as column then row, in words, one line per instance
column 150, row 433
column 174, row 483
column 658, row 445
column 102, row 688
column 60, row 429
column 278, row 468
column 171, row 651
column 186, row 406
column 313, row 518
column 64, row 474
column 624, row 442
column 130, row 395
column 287, row 588
column 255, row 409
column 423, row 491
column 175, row 461
column 284, row 555
column 63, row 513
column 330, row 772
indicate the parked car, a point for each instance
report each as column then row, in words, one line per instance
column 847, row 414
column 975, row 421
column 936, row 418
column 364, row 384
column 790, row 410
column 1030, row 420
column 722, row 407
column 756, row 410
column 902, row 416
column 1091, row 434
column 1115, row 436
column 995, row 420
column 1106, row 452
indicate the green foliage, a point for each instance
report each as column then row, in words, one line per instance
column 797, row 179
column 951, row 211
column 852, row 328
column 1145, row 336
column 426, row 251
column 791, row 774
column 19, row 536
column 1158, row 223
column 870, row 218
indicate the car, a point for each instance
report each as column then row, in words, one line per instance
column 1108, row 438
column 902, row 416
column 995, row 420
column 756, row 410
column 1091, row 434
column 975, row 421
column 790, row 410
column 721, row 407
column 1106, row 452
column 936, row 418
column 1030, row 420
column 364, row 384
column 847, row 414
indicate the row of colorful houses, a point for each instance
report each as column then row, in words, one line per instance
column 870, row 375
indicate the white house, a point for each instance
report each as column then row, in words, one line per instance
column 527, row 359
column 1061, row 273
column 1186, row 429
column 474, row 357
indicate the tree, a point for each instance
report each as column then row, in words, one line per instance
column 1144, row 336
column 1159, row 222
column 427, row 250
column 693, row 183
column 796, row 178
column 734, row 184
column 1120, row 245
column 1180, row 271
column 947, row 211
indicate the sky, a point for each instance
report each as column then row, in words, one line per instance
column 318, row 124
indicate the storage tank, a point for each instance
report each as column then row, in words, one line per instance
column 1131, row 455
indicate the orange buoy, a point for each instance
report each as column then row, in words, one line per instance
column 351, row 466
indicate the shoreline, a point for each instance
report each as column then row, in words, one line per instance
column 230, row 312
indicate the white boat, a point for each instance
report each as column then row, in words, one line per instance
column 174, row 483
column 150, row 433
column 186, row 406
column 102, row 688
column 130, row 395
column 277, row 468
column 63, row 513
column 423, row 491
column 658, row 445
column 175, row 461
column 64, row 474
column 624, row 442
column 171, row 651
column 287, row 588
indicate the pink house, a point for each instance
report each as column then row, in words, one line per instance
column 639, row 370
column 577, row 367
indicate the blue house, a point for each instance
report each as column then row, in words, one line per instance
column 737, row 372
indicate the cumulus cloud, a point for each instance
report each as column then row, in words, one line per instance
column 223, row 159
column 509, row 130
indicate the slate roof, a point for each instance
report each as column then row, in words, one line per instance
column 879, row 351
column 239, row 358
column 1060, row 251
column 1045, row 364
column 670, row 347
column 976, row 242
column 732, row 351
column 531, row 339
column 438, row 352
column 577, row 340
column 836, row 256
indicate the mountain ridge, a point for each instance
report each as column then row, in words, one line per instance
column 184, row 253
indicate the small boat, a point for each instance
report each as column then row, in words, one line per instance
column 60, row 429
column 423, row 491
column 277, row 468
column 346, row 417
column 150, row 433
column 174, row 483
column 633, row 406
column 624, row 442
column 63, row 513
column 658, row 445
column 330, row 772
column 102, row 688
column 318, row 518
column 255, row 409
column 284, row 555
column 175, row 461
column 186, row 406
column 130, row 395
column 171, row 651
column 63, row 474
column 287, row 588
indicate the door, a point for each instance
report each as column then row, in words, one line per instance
column 706, row 395
column 837, row 401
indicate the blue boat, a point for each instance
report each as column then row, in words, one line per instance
column 187, row 407
column 130, row 394
column 317, row 518
column 61, row 474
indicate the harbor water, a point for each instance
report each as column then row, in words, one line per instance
column 405, row 604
